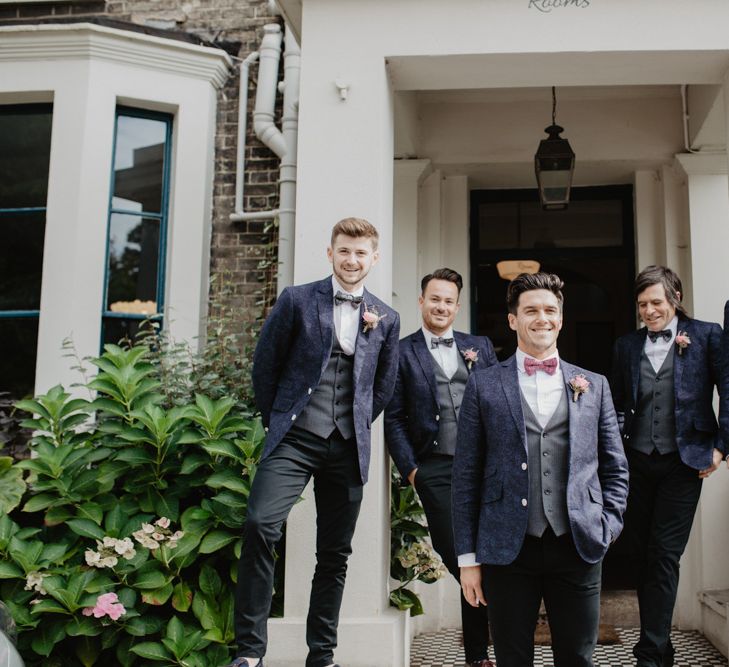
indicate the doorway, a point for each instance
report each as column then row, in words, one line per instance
column 590, row 245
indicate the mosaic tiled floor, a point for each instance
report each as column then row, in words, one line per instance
column 443, row 649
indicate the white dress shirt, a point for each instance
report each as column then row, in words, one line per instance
column 346, row 318
column 446, row 357
column 658, row 351
column 542, row 392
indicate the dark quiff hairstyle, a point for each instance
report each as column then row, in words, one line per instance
column 661, row 275
column 443, row 274
column 526, row 282
column 356, row 228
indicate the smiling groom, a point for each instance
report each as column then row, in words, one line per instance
column 539, row 486
column 323, row 370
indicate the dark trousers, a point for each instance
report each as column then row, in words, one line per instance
column 548, row 568
column 433, row 484
column 279, row 482
column 664, row 493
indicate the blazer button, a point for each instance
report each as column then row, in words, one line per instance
column 310, row 390
column 265, row 428
column 293, row 417
column 523, row 502
column 437, row 418
column 435, row 443
column 523, row 466
column 632, row 412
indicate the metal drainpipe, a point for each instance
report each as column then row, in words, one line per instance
column 287, row 194
column 281, row 143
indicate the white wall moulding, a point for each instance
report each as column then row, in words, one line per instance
column 84, row 40
column 87, row 71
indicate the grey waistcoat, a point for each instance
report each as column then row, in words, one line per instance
column 330, row 405
column 548, row 452
column 449, row 392
column 654, row 424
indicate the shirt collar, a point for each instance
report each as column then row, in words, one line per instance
column 521, row 355
column 336, row 287
column 429, row 335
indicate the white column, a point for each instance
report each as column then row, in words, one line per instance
column 76, row 221
column 409, row 174
column 704, row 563
column 345, row 169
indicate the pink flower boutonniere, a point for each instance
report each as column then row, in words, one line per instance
column 579, row 385
column 371, row 318
column 683, row 341
column 470, row 356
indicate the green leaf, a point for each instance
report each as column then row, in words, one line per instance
column 210, row 582
column 181, row 597
column 10, row 571
column 48, row 606
column 87, row 650
column 91, row 511
column 152, row 651
column 150, row 580
column 142, row 626
column 40, row 502
column 216, row 540
column 8, row 528
column 175, row 631
column 114, row 521
column 403, row 599
column 86, row 528
column 221, row 447
column 166, row 506
column 158, row 596
column 228, row 479
column 83, row 626
column 12, row 487
column 135, row 457
column 53, row 553
column 57, row 515
column 47, row 635
column 193, row 462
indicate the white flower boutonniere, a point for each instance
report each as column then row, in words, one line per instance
column 470, row 356
column 579, row 385
column 683, row 341
column 371, row 318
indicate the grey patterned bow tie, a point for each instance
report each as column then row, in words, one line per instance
column 434, row 342
column 655, row 335
column 343, row 297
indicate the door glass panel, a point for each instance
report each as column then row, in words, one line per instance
column 18, row 340
column 21, row 260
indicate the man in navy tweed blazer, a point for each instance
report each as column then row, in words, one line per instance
column 663, row 381
column 323, row 370
column 421, row 424
column 539, row 486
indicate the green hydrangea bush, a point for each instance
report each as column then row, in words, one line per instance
column 122, row 533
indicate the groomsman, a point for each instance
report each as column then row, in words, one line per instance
column 539, row 486
column 323, row 370
column 663, row 381
column 421, row 424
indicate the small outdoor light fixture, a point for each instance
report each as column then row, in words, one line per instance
column 554, row 164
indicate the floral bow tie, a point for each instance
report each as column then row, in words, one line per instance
column 343, row 297
column 531, row 366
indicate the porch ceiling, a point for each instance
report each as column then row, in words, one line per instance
column 529, row 70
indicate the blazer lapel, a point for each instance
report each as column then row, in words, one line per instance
column 325, row 311
column 680, row 360
column 576, row 411
column 462, row 346
column 425, row 359
column 637, row 344
column 363, row 337
column 510, row 385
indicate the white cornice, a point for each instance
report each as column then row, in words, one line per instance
column 80, row 41
column 708, row 164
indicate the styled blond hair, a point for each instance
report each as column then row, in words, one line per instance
column 357, row 228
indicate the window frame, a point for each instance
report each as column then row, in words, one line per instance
column 162, row 216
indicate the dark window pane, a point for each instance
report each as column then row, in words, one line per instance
column 25, row 148
column 133, row 263
column 18, row 340
column 21, row 260
column 139, row 164
column 118, row 330
column 585, row 224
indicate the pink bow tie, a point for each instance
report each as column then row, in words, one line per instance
column 531, row 366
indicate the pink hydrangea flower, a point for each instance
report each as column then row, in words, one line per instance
column 106, row 605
